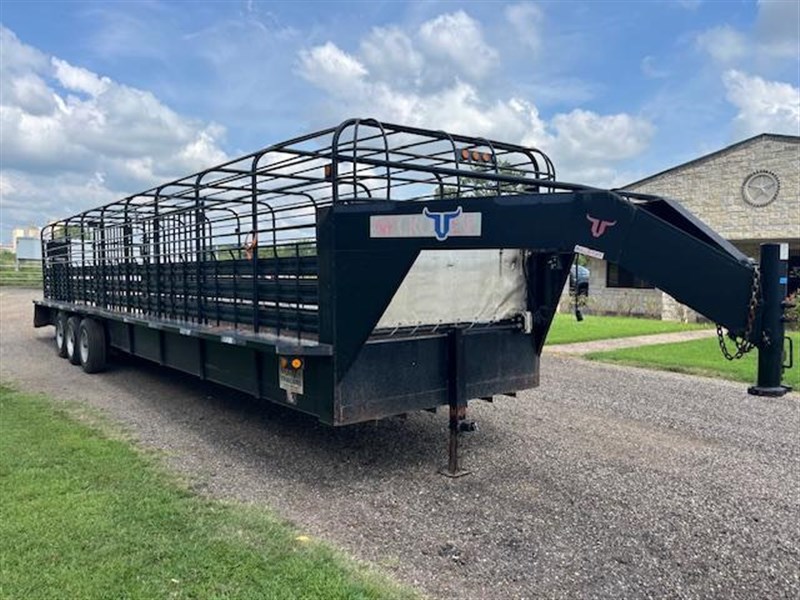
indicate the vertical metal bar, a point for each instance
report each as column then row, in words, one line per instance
column 127, row 243
column 297, row 286
column 254, row 227
column 774, row 279
column 83, row 261
column 199, row 243
column 67, row 265
column 43, row 254
column 157, row 252
column 235, row 281
column 102, row 265
column 148, row 259
column 216, row 288
column 185, row 244
column 276, row 261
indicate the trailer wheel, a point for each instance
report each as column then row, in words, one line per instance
column 92, row 346
column 61, row 334
column 71, row 339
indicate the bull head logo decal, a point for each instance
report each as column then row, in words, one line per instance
column 599, row 227
column 441, row 221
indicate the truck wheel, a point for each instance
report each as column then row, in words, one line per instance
column 71, row 339
column 61, row 334
column 92, row 346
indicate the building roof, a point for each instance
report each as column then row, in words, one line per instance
column 705, row 157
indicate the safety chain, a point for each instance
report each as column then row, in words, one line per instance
column 743, row 345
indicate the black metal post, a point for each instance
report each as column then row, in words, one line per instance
column 157, row 252
column 774, row 272
column 254, row 226
column 199, row 251
column 457, row 398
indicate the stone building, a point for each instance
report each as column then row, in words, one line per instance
column 748, row 192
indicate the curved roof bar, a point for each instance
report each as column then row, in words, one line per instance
column 296, row 174
column 456, row 162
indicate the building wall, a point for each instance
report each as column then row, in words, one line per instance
column 712, row 190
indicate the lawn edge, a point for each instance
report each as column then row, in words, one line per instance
column 102, row 426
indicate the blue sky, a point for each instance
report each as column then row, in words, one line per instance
column 102, row 99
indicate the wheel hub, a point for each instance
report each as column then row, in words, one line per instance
column 84, row 346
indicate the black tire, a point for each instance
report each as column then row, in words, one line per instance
column 61, row 337
column 92, row 346
column 71, row 339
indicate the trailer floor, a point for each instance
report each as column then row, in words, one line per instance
column 606, row 482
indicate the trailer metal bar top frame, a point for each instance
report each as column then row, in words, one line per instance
column 296, row 250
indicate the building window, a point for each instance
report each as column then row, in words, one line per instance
column 617, row 277
column 794, row 275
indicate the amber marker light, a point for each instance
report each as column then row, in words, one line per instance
column 465, row 154
column 284, row 363
column 296, row 363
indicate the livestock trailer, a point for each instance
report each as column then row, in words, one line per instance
column 373, row 269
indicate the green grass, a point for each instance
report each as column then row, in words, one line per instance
column 86, row 516
column 29, row 274
column 566, row 330
column 698, row 357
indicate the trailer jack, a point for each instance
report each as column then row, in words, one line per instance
column 457, row 401
column 458, row 425
column 771, row 355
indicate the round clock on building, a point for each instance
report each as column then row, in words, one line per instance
column 760, row 188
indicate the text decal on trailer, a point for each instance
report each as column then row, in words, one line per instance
column 441, row 225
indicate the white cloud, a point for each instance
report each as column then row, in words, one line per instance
column 73, row 138
column 586, row 146
column 774, row 39
column 724, row 44
column 777, row 29
column 764, row 106
column 457, row 39
column 585, row 134
column 331, row 68
column 390, row 54
column 397, row 78
column 526, row 20
column 18, row 57
column 29, row 92
column 78, row 79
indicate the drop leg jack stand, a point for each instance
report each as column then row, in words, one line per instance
column 456, row 389
column 770, row 349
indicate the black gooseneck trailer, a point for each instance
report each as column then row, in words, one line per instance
column 372, row 269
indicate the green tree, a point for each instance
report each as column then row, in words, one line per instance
column 476, row 187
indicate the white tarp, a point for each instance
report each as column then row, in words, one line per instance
column 459, row 286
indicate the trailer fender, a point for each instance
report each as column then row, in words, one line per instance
column 43, row 316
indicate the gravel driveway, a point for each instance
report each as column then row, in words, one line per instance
column 606, row 482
